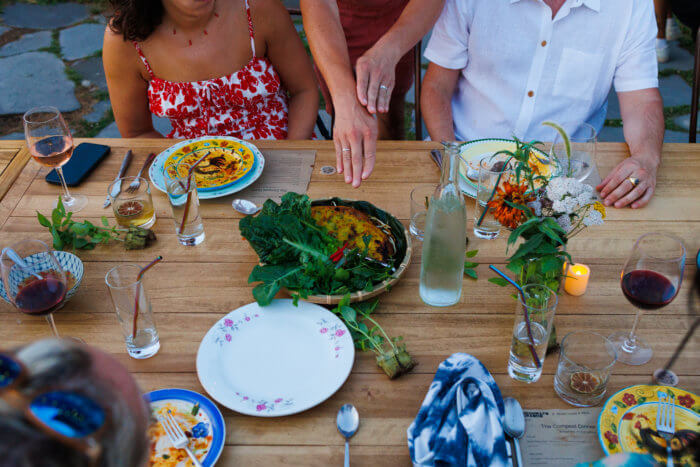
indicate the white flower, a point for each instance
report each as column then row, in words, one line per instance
column 593, row 218
column 564, row 222
column 567, row 205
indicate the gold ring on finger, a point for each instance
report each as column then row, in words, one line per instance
column 634, row 181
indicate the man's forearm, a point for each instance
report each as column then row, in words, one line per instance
column 415, row 21
column 437, row 113
column 643, row 123
column 329, row 48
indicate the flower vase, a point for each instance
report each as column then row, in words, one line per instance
column 541, row 272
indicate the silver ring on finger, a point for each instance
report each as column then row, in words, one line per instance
column 384, row 88
column 634, row 181
column 346, row 149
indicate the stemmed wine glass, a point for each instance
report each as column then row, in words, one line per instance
column 39, row 296
column 650, row 279
column 51, row 145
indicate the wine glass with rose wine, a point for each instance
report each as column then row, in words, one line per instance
column 39, row 286
column 650, row 279
column 51, row 145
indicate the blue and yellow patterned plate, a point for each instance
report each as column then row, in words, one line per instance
column 232, row 165
column 473, row 152
column 627, row 422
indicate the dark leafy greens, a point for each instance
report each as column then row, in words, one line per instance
column 297, row 254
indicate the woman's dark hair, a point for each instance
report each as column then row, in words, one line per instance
column 136, row 19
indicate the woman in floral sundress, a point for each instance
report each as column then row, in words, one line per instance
column 213, row 67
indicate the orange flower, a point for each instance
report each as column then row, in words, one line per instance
column 509, row 216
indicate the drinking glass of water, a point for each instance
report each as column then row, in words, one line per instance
column 585, row 363
column 133, row 310
column 420, row 200
column 493, row 173
column 182, row 193
column 534, row 316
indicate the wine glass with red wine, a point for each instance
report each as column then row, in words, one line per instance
column 38, row 296
column 51, row 145
column 651, row 279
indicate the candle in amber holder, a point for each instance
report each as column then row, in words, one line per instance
column 576, row 279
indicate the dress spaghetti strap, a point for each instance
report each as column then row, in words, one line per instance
column 143, row 59
column 250, row 28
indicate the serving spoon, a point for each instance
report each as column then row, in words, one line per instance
column 245, row 206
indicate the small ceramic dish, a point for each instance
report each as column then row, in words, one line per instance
column 68, row 261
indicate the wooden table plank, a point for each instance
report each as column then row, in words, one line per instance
column 187, row 304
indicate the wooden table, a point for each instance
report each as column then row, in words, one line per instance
column 188, row 299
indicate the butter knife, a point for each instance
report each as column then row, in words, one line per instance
column 122, row 170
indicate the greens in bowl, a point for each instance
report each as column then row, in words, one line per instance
column 322, row 250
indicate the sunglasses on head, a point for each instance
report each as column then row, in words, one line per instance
column 71, row 418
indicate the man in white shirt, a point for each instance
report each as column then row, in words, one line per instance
column 500, row 68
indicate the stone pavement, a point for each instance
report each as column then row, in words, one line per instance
column 58, row 55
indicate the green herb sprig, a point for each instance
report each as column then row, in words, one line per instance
column 391, row 355
column 470, row 265
column 85, row 235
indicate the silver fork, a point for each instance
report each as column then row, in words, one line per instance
column 177, row 436
column 666, row 424
column 133, row 186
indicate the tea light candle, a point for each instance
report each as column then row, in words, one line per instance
column 576, row 279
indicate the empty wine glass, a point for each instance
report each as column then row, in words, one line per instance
column 583, row 152
column 650, row 279
column 51, row 145
column 39, row 286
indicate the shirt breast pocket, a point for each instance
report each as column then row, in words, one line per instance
column 577, row 74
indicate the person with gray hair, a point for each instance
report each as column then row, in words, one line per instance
column 68, row 404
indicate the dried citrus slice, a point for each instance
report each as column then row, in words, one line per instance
column 584, row 383
column 130, row 208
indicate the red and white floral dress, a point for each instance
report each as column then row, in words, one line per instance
column 248, row 104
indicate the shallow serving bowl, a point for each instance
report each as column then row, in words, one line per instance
column 402, row 259
column 68, row 261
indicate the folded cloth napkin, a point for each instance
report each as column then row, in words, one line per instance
column 461, row 419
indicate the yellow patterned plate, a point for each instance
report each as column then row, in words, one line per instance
column 627, row 423
column 228, row 162
column 473, row 152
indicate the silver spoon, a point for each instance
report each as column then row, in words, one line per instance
column 245, row 207
column 19, row 261
column 514, row 424
column 348, row 420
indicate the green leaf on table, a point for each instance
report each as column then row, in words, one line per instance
column 499, row 281
column 471, row 253
column 43, row 220
column 471, row 273
column 349, row 314
column 470, row 265
column 57, row 240
column 56, row 217
column 105, row 222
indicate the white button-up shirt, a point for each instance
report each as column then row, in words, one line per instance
column 520, row 67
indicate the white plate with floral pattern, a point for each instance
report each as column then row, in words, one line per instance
column 277, row 360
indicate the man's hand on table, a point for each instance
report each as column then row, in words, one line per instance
column 618, row 190
column 355, row 139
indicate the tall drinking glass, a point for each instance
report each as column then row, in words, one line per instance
column 534, row 316
column 493, row 173
column 39, row 296
column 51, row 145
column 182, row 193
column 583, row 152
column 650, row 279
column 133, row 310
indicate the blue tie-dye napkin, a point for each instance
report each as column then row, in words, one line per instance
column 460, row 421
